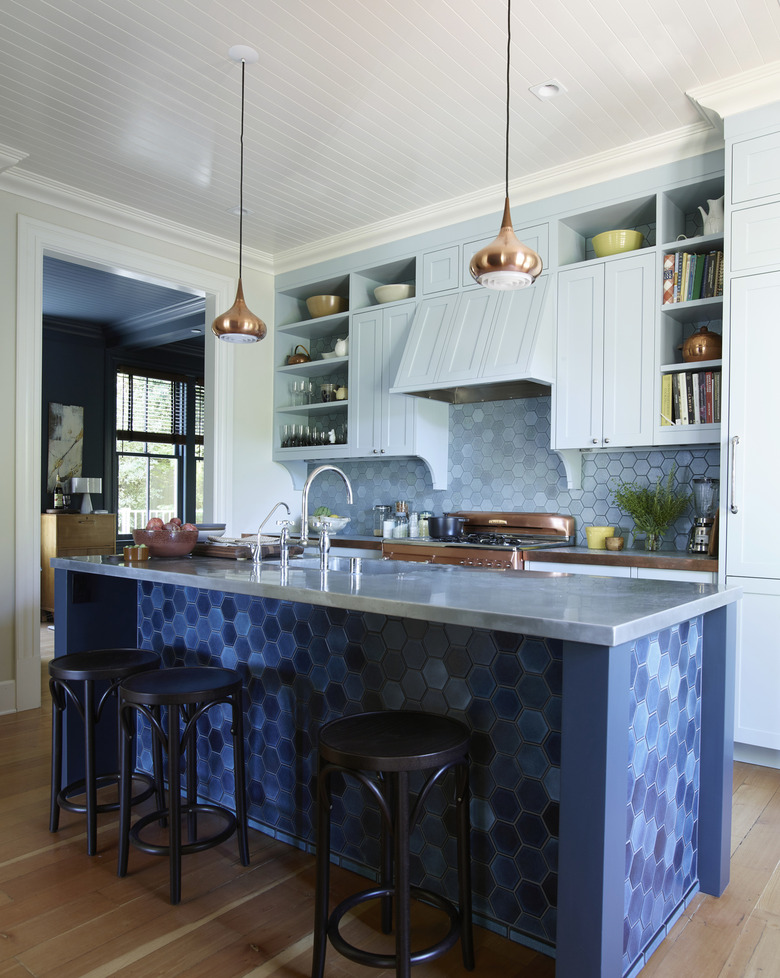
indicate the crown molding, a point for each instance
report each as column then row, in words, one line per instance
column 10, row 157
column 55, row 194
column 739, row 93
column 668, row 147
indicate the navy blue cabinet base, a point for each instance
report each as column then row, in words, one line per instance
column 600, row 709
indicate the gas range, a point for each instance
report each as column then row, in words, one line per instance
column 489, row 539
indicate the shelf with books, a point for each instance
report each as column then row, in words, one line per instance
column 693, row 271
column 690, row 400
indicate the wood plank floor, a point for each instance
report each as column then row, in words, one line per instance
column 67, row 915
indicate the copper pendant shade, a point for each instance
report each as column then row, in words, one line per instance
column 239, row 324
column 506, row 263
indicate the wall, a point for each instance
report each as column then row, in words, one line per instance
column 500, row 459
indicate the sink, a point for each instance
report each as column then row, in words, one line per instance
column 345, row 565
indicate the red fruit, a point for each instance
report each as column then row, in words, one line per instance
column 188, row 526
column 176, row 520
column 155, row 523
column 173, row 527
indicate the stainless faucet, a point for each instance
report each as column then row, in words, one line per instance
column 284, row 539
column 305, row 496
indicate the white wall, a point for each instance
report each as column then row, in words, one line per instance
column 252, row 483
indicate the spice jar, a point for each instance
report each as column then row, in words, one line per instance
column 422, row 523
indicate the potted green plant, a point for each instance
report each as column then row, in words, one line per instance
column 652, row 508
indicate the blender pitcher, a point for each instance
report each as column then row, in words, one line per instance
column 705, row 504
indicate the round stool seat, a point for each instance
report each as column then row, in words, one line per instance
column 102, row 664
column 393, row 741
column 180, row 686
column 381, row 751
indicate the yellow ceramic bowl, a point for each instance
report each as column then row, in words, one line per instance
column 616, row 242
column 597, row 535
column 325, row 305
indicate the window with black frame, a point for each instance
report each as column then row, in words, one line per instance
column 159, row 447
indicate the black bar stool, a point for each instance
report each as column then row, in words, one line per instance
column 73, row 678
column 188, row 693
column 380, row 750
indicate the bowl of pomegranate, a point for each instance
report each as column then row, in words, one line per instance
column 171, row 539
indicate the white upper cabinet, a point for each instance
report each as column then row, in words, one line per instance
column 605, row 354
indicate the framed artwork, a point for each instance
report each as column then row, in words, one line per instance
column 66, row 442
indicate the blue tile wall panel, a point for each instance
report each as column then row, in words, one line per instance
column 500, row 459
column 304, row 665
column 663, row 783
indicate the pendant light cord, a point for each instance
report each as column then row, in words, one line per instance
column 508, row 48
column 241, row 180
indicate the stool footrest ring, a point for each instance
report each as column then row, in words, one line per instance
column 199, row 845
column 65, row 795
column 372, row 959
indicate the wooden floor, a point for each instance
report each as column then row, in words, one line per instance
column 67, row 915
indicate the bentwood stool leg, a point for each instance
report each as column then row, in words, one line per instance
column 464, row 864
column 57, row 708
column 386, row 855
column 403, row 941
column 174, row 803
column 237, row 729
column 322, row 887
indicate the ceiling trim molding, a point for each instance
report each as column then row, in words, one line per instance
column 10, row 157
column 739, row 93
column 668, row 147
column 55, row 194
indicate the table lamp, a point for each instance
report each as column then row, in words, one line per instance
column 86, row 486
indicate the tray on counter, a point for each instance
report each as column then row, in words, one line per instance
column 239, row 552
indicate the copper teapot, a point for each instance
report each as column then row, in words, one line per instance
column 702, row 345
column 296, row 357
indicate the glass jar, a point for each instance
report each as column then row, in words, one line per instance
column 327, row 393
column 381, row 513
column 414, row 525
column 422, row 524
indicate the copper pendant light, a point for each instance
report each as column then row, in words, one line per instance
column 239, row 324
column 506, row 263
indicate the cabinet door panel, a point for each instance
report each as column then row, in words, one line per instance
column 396, row 432
column 465, row 343
column 629, row 342
column 756, row 168
column 365, row 355
column 755, row 237
column 424, row 349
column 515, row 331
column 757, row 717
column 580, row 357
column 440, row 270
column 753, row 532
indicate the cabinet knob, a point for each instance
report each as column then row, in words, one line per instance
column 606, row 441
column 595, row 441
column 381, row 451
column 375, row 452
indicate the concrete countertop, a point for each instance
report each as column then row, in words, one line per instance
column 661, row 559
column 594, row 610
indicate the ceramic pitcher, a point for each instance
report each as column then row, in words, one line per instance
column 713, row 220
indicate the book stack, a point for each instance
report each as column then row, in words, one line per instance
column 689, row 276
column 690, row 397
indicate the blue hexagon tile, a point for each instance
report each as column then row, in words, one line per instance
column 303, row 666
column 663, row 783
column 499, row 459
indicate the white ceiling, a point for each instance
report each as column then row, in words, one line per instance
column 359, row 111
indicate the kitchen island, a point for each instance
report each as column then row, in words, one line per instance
column 602, row 711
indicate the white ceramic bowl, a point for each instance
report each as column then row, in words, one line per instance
column 391, row 293
column 329, row 356
column 334, row 524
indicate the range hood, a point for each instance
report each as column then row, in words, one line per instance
column 480, row 345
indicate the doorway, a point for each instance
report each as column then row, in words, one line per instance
column 37, row 239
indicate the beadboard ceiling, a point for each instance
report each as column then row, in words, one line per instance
column 358, row 112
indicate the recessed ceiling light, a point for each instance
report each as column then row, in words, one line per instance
column 547, row 90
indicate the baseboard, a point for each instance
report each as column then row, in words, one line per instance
column 763, row 756
column 8, row 697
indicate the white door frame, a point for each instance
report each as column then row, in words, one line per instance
column 36, row 239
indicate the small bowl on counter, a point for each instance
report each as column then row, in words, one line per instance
column 333, row 524
column 167, row 542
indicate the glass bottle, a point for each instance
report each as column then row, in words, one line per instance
column 59, row 495
column 381, row 513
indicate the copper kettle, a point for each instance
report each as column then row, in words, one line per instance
column 296, row 357
column 702, row 345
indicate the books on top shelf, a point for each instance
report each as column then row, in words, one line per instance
column 689, row 276
column 690, row 397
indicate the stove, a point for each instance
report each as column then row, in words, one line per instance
column 490, row 539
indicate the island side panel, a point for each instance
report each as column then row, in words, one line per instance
column 717, row 748
column 304, row 665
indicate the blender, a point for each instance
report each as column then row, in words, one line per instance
column 705, row 504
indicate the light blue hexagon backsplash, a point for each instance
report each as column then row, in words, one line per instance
column 500, row 460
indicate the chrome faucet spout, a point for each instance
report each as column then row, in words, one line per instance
column 305, row 496
column 258, row 551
